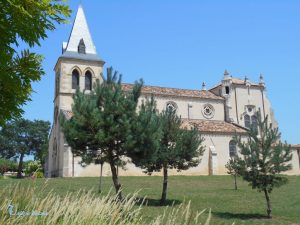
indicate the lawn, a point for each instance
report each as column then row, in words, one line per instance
column 244, row 206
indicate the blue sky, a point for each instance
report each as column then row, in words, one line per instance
column 183, row 43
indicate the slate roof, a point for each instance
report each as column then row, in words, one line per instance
column 177, row 92
column 214, row 126
column 87, row 56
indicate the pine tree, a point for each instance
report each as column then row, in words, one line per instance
column 233, row 167
column 106, row 125
column 177, row 149
column 264, row 158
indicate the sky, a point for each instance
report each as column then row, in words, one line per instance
column 182, row 43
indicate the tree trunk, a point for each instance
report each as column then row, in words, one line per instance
column 100, row 182
column 165, row 185
column 269, row 208
column 20, row 167
column 116, row 180
column 235, row 184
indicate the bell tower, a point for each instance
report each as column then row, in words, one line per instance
column 78, row 67
column 226, row 92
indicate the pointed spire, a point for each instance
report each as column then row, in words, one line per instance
column 226, row 75
column 203, row 86
column 80, row 30
column 261, row 80
column 246, row 79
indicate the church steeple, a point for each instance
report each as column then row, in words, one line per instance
column 80, row 34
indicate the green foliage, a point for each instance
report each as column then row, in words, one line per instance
column 264, row 158
column 234, row 168
column 7, row 165
column 24, row 137
column 33, row 166
column 105, row 122
column 39, row 174
column 175, row 148
column 24, row 21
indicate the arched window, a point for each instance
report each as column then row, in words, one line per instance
column 171, row 106
column 232, row 148
column 88, row 80
column 247, row 121
column 254, row 122
column 75, row 79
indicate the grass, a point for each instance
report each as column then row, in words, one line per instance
column 244, row 206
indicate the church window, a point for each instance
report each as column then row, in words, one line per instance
column 227, row 90
column 81, row 47
column 55, row 114
column 208, row 111
column 88, row 80
column 57, row 84
column 254, row 122
column 171, row 106
column 298, row 151
column 247, row 121
column 232, row 149
column 75, row 79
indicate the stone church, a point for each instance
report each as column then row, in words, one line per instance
column 218, row 113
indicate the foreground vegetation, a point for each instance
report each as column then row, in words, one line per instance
column 242, row 206
column 21, row 205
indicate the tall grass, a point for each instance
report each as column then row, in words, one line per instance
column 85, row 208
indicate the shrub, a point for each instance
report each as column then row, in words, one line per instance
column 7, row 165
column 32, row 167
column 39, row 174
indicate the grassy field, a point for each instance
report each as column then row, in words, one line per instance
column 244, row 206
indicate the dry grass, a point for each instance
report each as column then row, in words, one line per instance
column 85, row 208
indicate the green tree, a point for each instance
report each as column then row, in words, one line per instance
column 234, row 169
column 7, row 165
column 177, row 149
column 23, row 21
column 24, row 137
column 264, row 157
column 104, row 124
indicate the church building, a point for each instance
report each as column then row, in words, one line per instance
column 218, row 113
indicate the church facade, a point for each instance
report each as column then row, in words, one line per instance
column 218, row 113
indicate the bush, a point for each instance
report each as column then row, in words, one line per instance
column 39, row 174
column 32, row 167
column 7, row 165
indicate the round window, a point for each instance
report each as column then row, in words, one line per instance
column 208, row 111
column 171, row 106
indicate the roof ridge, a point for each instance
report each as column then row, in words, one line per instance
column 171, row 88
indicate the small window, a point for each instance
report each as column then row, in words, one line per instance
column 171, row 106
column 227, row 90
column 75, row 79
column 232, row 148
column 81, row 47
column 247, row 121
column 88, row 80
